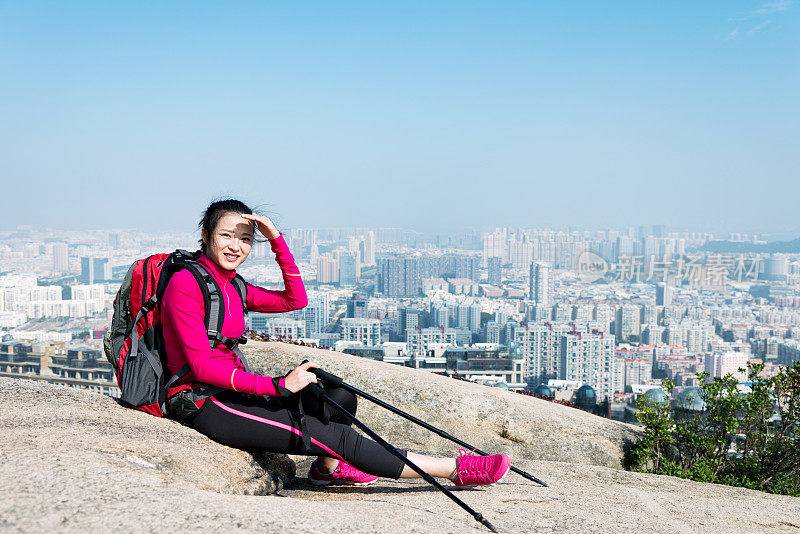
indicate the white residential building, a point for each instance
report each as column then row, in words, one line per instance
column 721, row 364
column 590, row 359
column 367, row 331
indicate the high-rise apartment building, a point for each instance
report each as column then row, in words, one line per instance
column 408, row 318
column 651, row 246
column 327, row 269
column 420, row 338
column 589, row 358
column 94, row 270
column 540, row 344
column 495, row 270
column 317, row 314
column 562, row 313
column 283, row 327
column 583, row 313
column 721, row 364
column 347, row 270
column 631, row 367
column 697, row 336
column 468, row 316
column 493, row 332
column 535, row 342
column 649, row 314
column 652, row 334
column 441, row 316
column 412, row 280
column 449, row 266
column 474, row 316
column 494, row 245
column 663, row 294
column 603, row 316
column 628, row 321
column 623, row 248
column 60, row 257
column 462, row 315
column 521, row 253
column 356, row 307
column 369, row 248
column 673, row 314
column 541, row 284
column 399, row 277
column 675, row 335
column 367, row 331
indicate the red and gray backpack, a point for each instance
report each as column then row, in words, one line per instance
column 134, row 344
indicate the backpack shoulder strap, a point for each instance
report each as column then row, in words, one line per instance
column 241, row 288
column 215, row 304
column 212, row 296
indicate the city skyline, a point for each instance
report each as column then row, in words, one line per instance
column 636, row 232
column 406, row 303
column 411, row 116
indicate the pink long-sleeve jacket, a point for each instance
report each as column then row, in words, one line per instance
column 185, row 336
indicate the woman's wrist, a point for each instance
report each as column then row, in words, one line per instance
column 275, row 237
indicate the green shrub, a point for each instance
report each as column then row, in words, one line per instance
column 748, row 439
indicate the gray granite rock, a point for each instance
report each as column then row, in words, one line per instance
column 73, row 461
column 491, row 419
column 74, row 429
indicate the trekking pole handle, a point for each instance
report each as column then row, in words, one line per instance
column 329, row 379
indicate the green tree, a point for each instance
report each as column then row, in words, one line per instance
column 749, row 439
column 659, row 428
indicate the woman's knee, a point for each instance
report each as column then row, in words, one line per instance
column 346, row 400
column 315, row 406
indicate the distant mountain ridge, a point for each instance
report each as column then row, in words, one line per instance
column 776, row 247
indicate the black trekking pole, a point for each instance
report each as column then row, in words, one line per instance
column 316, row 389
column 334, row 380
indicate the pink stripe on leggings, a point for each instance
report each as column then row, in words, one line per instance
column 272, row 423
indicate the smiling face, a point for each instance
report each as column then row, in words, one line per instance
column 230, row 242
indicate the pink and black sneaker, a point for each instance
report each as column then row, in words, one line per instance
column 343, row 474
column 474, row 470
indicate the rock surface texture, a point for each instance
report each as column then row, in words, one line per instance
column 73, row 461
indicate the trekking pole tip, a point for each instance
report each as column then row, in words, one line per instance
column 528, row 476
column 485, row 522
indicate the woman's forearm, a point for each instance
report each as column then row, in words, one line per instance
column 293, row 297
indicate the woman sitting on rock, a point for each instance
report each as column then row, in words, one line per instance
column 253, row 412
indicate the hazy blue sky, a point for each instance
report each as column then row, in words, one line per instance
column 428, row 115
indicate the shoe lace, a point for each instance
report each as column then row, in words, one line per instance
column 466, row 461
column 346, row 470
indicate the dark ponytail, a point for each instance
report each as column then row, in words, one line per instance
column 217, row 210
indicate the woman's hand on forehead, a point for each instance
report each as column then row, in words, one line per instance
column 265, row 225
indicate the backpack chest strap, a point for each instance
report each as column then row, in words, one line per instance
column 231, row 343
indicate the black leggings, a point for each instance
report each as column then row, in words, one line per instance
column 273, row 424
